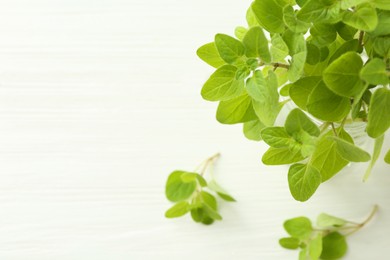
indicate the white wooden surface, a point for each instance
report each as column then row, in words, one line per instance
column 99, row 101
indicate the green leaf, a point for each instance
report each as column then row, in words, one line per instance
column 379, row 113
column 209, row 54
column 342, row 75
column 323, row 34
column 256, row 44
column 374, row 72
column 345, row 31
column 289, row 242
column 334, row 246
column 252, row 130
column 387, row 157
column 348, row 46
column 297, row 121
column 178, row 210
column 188, row 177
column 326, row 105
column 222, row 85
column 381, row 46
column 299, row 227
column 301, row 89
column 269, row 14
column 350, row 152
column 319, row 11
column 256, row 86
column 279, row 49
column 210, row 205
column 251, row 18
column 382, row 4
column 279, row 156
column 266, row 104
column 229, row 49
column 213, row 185
column 375, row 155
column 313, row 54
column 240, row 32
column 325, row 220
column 237, row 110
column 276, row 137
column 364, row 18
column 298, row 58
column 290, row 19
column 177, row 190
column 326, row 157
column 303, row 180
column 315, row 247
column 383, row 27
column 346, row 4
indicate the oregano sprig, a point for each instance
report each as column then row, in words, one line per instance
column 325, row 241
column 329, row 59
column 190, row 192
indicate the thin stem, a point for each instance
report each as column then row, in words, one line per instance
column 280, row 65
column 324, row 127
column 207, row 162
column 368, row 219
column 361, row 36
column 334, row 129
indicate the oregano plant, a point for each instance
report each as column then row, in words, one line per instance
column 190, row 192
column 326, row 240
column 329, row 60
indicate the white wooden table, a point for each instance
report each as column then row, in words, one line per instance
column 99, row 101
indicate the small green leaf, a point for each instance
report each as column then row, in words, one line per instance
column 326, row 105
column 382, row 4
column 240, row 32
column 383, row 27
column 252, row 130
column 303, row 180
column 251, row 18
column 374, row 72
column 299, row 227
column 276, row 137
column 237, row 110
column 326, row 220
column 375, row 155
column 387, row 157
column 279, row 49
column 298, row 58
column 290, row 19
column 350, row 152
column 342, row 75
column 178, row 210
column 379, row 113
column 297, row 121
column 289, row 242
column 334, row 246
column 323, row 34
column 315, row 247
column 364, row 18
column 177, row 190
column 210, row 205
column 213, row 185
column 229, row 49
column 346, row 4
column 266, row 104
column 326, row 157
column 256, row 44
column 222, row 85
column 209, row 54
column 279, row 156
column 348, row 46
column 269, row 14
column 345, row 31
column 301, row 89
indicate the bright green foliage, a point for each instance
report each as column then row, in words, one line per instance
column 256, row 44
column 188, row 190
column 375, row 155
column 327, row 241
column 269, row 13
column 238, row 110
column 209, row 54
column 229, row 48
column 331, row 58
column 223, row 85
column 342, row 75
column 379, row 113
column 374, row 72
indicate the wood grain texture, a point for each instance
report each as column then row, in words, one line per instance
column 99, row 101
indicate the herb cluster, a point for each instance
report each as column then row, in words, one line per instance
column 331, row 58
column 188, row 191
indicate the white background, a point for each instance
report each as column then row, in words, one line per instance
column 99, row 102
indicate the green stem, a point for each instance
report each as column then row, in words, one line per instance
column 368, row 219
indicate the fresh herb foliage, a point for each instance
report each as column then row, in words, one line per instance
column 328, row 240
column 191, row 194
column 331, row 59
